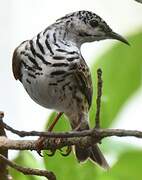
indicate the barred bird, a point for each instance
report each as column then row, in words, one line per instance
column 55, row 75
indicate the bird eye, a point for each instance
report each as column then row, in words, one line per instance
column 93, row 23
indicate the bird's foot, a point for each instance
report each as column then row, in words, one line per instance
column 52, row 153
column 68, row 151
column 40, row 141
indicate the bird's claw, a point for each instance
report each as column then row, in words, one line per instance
column 51, row 154
column 39, row 153
column 68, row 151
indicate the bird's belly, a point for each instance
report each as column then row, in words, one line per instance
column 49, row 94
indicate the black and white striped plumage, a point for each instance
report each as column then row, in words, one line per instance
column 54, row 73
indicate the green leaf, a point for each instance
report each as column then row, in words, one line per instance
column 68, row 167
column 122, row 75
column 61, row 125
column 128, row 167
column 24, row 159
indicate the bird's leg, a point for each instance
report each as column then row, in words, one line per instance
column 77, row 127
column 41, row 139
column 69, row 148
column 55, row 121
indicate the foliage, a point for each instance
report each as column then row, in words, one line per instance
column 122, row 69
column 122, row 73
column 128, row 167
column 25, row 159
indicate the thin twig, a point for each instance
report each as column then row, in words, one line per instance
column 98, row 100
column 102, row 133
column 45, row 133
column 29, row 171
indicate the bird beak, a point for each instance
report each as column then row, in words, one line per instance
column 116, row 36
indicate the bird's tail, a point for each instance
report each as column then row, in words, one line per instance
column 93, row 152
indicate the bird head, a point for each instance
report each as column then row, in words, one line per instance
column 86, row 26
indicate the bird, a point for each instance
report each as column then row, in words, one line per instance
column 55, row 75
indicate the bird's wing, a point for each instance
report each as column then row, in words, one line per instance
column 16, row 62
column 83, row 77
column 16, row 65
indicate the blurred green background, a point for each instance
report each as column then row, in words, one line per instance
column 122, row 73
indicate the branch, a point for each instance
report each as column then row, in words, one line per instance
column 4, row 161
column 98, row 101
column 3, row 167
column 84, row 139
column 46, row 134
column 98, row 133
column 28, row 171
